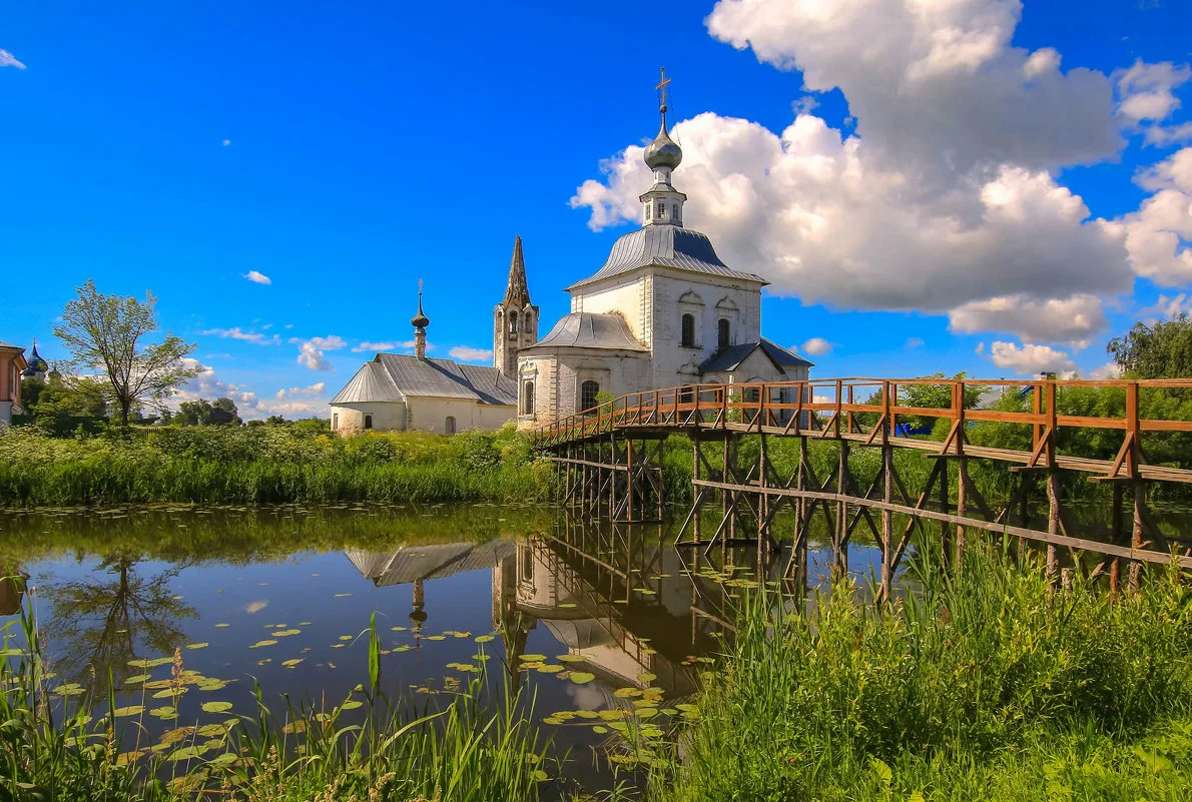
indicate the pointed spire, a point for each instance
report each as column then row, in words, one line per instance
column 420, row 321
column 517, row 290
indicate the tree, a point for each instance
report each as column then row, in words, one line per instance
column 105, row 332
column 1160, row 350
column 201, row 412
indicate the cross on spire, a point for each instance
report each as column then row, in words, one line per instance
column 663, row 83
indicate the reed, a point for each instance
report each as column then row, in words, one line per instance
column 987, row 683
column 267, row 464
column 54, row 748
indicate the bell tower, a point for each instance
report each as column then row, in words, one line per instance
column 515, row 319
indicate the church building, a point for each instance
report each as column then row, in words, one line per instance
column 397, row 392
column 663, row 310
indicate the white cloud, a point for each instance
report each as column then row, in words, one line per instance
column 236, row 333
column 816, row 346
column 1030, row 359
column 946, row 197
column 257, row 277
column 311, row 352
column 310, row 391
column 9, row 60
column 1157, row 235
column 913, row 343
column 466, row 353
column 1169, row 308
column 227, row 143
column 1109, row 370
column 1146, row 90
column 1070, row 320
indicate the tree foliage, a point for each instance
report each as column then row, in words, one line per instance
column 1161, row 350
column 107, row 333
column 201, row 412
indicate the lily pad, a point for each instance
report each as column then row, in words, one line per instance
column 216, row 707
column 200, row 645
column 581, row 677
column 131, row 710
column 260, row 643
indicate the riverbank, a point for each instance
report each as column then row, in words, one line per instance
column 989, row 685
column 265, row 464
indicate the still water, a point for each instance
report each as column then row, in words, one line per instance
column 282, row 596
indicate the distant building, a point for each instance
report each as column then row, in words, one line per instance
column 12, row 365
column 663, row 310
column 399, row 392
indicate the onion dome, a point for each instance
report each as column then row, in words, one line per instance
column 663, row 151
column 420, row 320
column 35, row 366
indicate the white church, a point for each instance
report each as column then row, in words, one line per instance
column 663, row 310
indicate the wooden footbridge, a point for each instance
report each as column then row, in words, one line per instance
column 611, row 464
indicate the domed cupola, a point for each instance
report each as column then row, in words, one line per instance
column 662, row 204
column 36, row 367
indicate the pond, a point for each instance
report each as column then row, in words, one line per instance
column 582, row 616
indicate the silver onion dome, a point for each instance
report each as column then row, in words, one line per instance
column 663, row 151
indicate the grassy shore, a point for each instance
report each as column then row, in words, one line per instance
column 264, row 464
column 986, row 685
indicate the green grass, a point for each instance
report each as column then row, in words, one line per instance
column 986, row 685
column 265, row 464
column 54, row 748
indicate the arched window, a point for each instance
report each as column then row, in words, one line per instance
column 449, row 424
column 334, row 421
column 513, row 322
column 528, row 398
column 722, row 333
column 688, row 331
column 587, row 394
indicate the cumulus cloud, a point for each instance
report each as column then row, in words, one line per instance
column 385, row 345
column 310, row 391
column 236, row 333
column 945, row 197
column 1157, row 235
column 913, row 343
column 1109, row 370
column 1148, row 98
column 291, row 401
column 311, row 352
column 257, row 277
column 1071, row 320
column 1029, row 358
column 9, row 60
column 816, row 346
column 466, row 353
column 1169, row 308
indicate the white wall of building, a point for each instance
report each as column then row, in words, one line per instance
column 630, row 297
column 422, row 413
column 558, row 380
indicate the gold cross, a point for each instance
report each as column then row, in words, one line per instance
column 663, row 83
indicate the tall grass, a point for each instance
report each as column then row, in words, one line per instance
column 53, row 748
column 987, row 684
column 265, row 464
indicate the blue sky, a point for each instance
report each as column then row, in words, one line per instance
column 344, row 154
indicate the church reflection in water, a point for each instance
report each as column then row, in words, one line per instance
column 621, row 600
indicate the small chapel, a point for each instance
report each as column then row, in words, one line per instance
column 663, row 310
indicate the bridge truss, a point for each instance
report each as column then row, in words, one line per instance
column 611, row 457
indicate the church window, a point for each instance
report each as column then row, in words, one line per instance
column 661, row 209
column 513, row 322
column 449, row 424
column 688, row 340
column 649, row 210
column 722, row 333
column 334, row 421
column 587, row 394
column 528, row 398
column 368, row 421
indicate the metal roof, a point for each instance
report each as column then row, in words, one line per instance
column 728, row 359
column 665, row 246
column 407, row 564
column 590, row 330
column 391, row 377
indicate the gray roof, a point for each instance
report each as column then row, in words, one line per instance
column 590, row 330
column 665, row 246
column 390, row 377
column 728, row 359
column 407, row 564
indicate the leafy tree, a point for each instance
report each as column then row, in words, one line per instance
column 201, row 412
column 61, row 403
column 106, row 332
column 1160, row 350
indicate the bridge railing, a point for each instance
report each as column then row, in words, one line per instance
column 881, row 409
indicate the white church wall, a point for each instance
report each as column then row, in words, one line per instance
column 541, row 371
column 708, row 302
column 630, row 297
column 386, row 416
column 429, row 414
column 558, row 381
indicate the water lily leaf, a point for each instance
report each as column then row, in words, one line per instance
column 285, row 633
column 199, row 645
column 532, row 658
column 435, row 637
column 216, row 707
column 168, row 692
column 151, row 663
column 165, row 712
column 136, row 680
column 483, row 638
column 538, row 775
column 260, row 643
column 581, row 677
column 69, row 689
column 222, row 626
column 627, row 693
column 351, row 704
column 646, row 677
column 599, row 729
column 226, row 759
column 293, row 661
column 185, row 753
column 570, row 658
column 345, row 637
column 131, row 710
column 549, row 668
